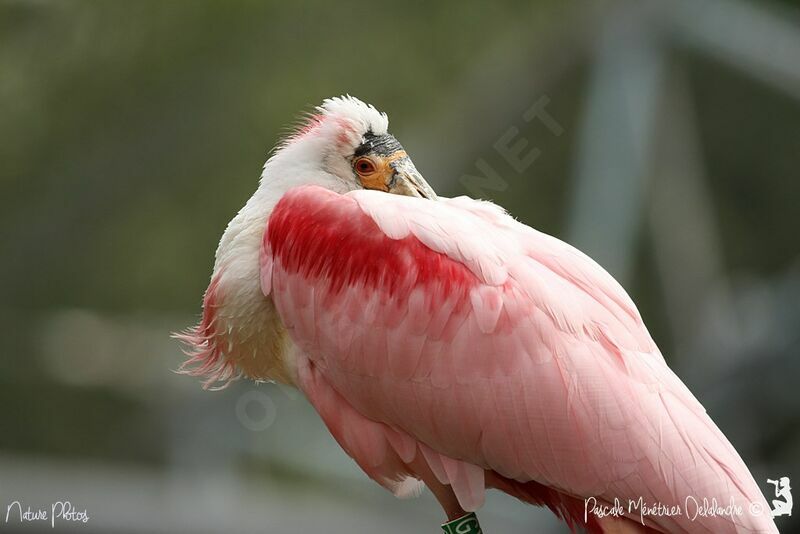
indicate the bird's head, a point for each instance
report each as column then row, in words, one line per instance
column 345, row 145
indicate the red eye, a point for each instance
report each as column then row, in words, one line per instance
column 364, row 166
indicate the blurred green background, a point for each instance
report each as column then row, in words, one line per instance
column 667, row 148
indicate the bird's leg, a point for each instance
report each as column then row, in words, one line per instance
column 457, row 517
column 443, row 492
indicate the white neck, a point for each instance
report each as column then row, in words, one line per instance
column 253, row 334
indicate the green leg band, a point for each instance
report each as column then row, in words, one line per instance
column 467, row 524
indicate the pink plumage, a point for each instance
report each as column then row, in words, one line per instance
column 206, row 353
column 448, row 333
column 442, row 341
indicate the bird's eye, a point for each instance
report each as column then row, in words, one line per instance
column 364, row 166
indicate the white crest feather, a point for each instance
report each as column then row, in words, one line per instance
column 350, row 107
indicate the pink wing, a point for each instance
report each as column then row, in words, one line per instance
column 500, row 354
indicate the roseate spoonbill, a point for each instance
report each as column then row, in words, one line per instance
column 444, row 343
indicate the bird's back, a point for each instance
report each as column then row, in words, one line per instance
column 450, row 330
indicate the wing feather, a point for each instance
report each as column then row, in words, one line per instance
column 493, row 348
